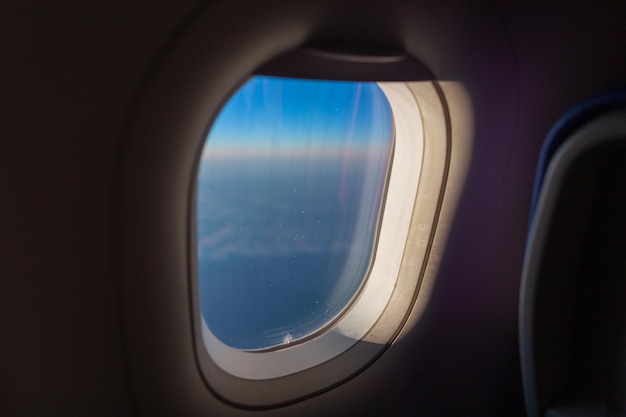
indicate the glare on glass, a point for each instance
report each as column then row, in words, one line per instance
column 289, row 197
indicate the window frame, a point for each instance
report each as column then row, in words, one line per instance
column 251, row 379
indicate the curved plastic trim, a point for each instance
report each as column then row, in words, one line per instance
column 565, row 126
column 603, row 129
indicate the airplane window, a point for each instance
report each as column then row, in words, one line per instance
column 290, row 189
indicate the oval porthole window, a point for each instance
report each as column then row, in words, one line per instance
column 316, row 206
column 290, row 192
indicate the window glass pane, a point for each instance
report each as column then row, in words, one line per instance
column 290, row 188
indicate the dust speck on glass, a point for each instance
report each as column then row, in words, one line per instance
column 289, row 192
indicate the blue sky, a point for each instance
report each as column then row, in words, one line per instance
column 291, row 114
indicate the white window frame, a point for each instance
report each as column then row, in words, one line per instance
column 405, row 265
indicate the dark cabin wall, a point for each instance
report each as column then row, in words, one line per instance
column 68, row 74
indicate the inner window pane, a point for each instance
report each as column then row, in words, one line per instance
column 290, row 189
